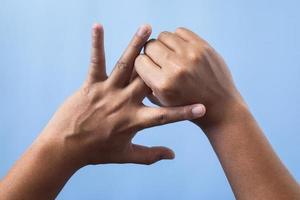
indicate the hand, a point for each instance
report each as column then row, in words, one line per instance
column 181, row 68
column 99, row 121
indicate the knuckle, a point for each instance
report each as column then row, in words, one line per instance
column 179, row 29
column 198, row 54
column 195, row 56
column 95, row 60
column 163, row 34
column 165, row 87
column 91, row 93
column 122, row 65
column 161, row 118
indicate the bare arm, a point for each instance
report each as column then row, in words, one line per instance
column 40, row 173
column 252, row 167
column 94, row 126
column 182, row 68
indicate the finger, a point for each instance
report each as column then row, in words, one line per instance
column 123, row 69
column 97, row 70
column 158, row 52
column 149, row 155
column 187, row 35
column 172, row 41
column 148, row 70
column 138, row 89
column 133, row 75
column 150, row 117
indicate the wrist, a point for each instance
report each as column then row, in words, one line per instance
column 229, row 113
column 55, row 148
column 45, row 168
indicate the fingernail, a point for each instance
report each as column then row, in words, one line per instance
column 143, row 30
column 198, row 111
column 166, row 157
column 96, row 26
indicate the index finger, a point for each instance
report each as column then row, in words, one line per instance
column 123, row 69
column 188, row 35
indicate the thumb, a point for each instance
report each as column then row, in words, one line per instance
column 164, row 115
column 149, row 155
column 97, row 70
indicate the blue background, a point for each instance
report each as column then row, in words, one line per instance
column 44, row 54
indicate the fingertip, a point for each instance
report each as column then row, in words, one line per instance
column 144, row 30
column 97, row 27
column 167, row 155
column 148, row 27
column 198, row 110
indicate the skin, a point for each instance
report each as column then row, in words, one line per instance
column 182, row 68
column 94, row 126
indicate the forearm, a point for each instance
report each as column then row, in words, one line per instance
column 40, row 173
column 251, row 166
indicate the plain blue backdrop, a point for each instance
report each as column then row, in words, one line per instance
column 44, row 54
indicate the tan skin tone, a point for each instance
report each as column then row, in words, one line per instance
column 94, row 126
column 183, row 65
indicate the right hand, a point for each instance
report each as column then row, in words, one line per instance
column 181, row 68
